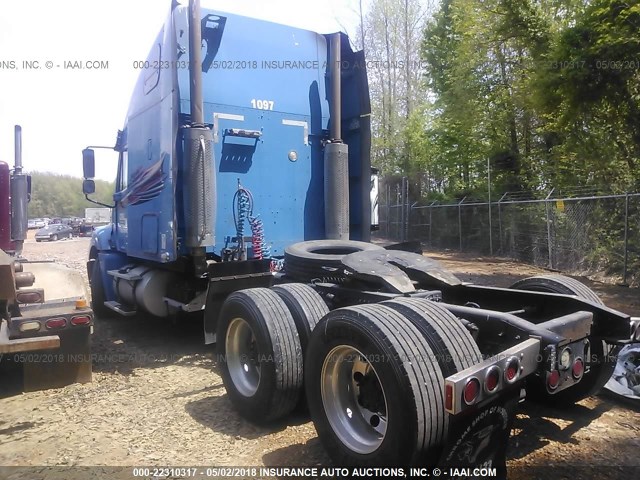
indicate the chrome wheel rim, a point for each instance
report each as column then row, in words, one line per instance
column 354, row 400
column 242, row 357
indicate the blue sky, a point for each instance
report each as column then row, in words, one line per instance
column 61, row 110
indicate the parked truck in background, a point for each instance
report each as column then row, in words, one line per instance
column 244, row 192
column 97, row 216
column 49, row 340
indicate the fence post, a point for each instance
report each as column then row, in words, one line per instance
column 431, row 222
column 403, row 208
column 626, row 237
column 388, row 229
column 407, row 216
column 549, row 242
column 489, row 187
column 411, row 210
column 460, row 221
column 500, row 221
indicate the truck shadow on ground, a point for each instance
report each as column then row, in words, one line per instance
column 309, row 454
column 535, row 427
column 120, row 345
column 206, row 412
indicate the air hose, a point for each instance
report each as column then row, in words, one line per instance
column 243, row 210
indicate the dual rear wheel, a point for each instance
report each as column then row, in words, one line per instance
column 373, row 375
column 262, row 336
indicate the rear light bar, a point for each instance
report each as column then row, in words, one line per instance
column 487, row 378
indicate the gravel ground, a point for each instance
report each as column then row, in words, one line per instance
column 156, row 399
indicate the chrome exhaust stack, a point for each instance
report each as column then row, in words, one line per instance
column 336, row 157
column 19, row 186
column 200, row 194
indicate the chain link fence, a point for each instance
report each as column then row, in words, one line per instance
column 572, row 231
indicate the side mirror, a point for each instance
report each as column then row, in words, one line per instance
column 88, row 187
column 88, row 164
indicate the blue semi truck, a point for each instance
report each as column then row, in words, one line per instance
column 243, row 194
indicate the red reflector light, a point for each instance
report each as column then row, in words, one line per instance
column 578, row 368
column 28, row 297
column 471, row 391
column 57, row 322
column 512, row 370
column 492, row 380
column 553, row 380
column 80, row 320
column 448, row 396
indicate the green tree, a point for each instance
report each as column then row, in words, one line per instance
column 589, row 93
column 61, row 195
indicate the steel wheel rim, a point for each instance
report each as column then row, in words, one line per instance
column 351, row 422
column 242, row 357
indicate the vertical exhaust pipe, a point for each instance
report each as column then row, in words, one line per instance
column 200, row 194
column 17, row 143
column 336, row 89
column 19, row 187
column 336, row 157
column 195, row 64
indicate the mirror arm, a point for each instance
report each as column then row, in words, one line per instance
column 86, row 195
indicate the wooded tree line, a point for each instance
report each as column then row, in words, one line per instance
column 61, row 196
column 544, row 92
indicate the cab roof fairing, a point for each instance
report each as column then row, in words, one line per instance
column 249, row 42
column 318, row 24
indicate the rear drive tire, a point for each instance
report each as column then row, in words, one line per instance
column 373, row 392
column 452, row 343
column 455, row 351
column 259, row 352
column 306, row 261
column 558, row 284
column 604, row 362
column 307, row 308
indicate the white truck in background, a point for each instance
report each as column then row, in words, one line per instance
column 97, row 216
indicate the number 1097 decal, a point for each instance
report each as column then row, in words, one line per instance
column 262, row 104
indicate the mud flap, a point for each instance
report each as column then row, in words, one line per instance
column 71, row 363
column 228, row 277
column 479, row 439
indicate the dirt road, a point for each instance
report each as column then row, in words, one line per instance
column 156, row 399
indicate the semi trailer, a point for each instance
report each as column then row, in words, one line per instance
column 243, row 193
column 57, row 330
